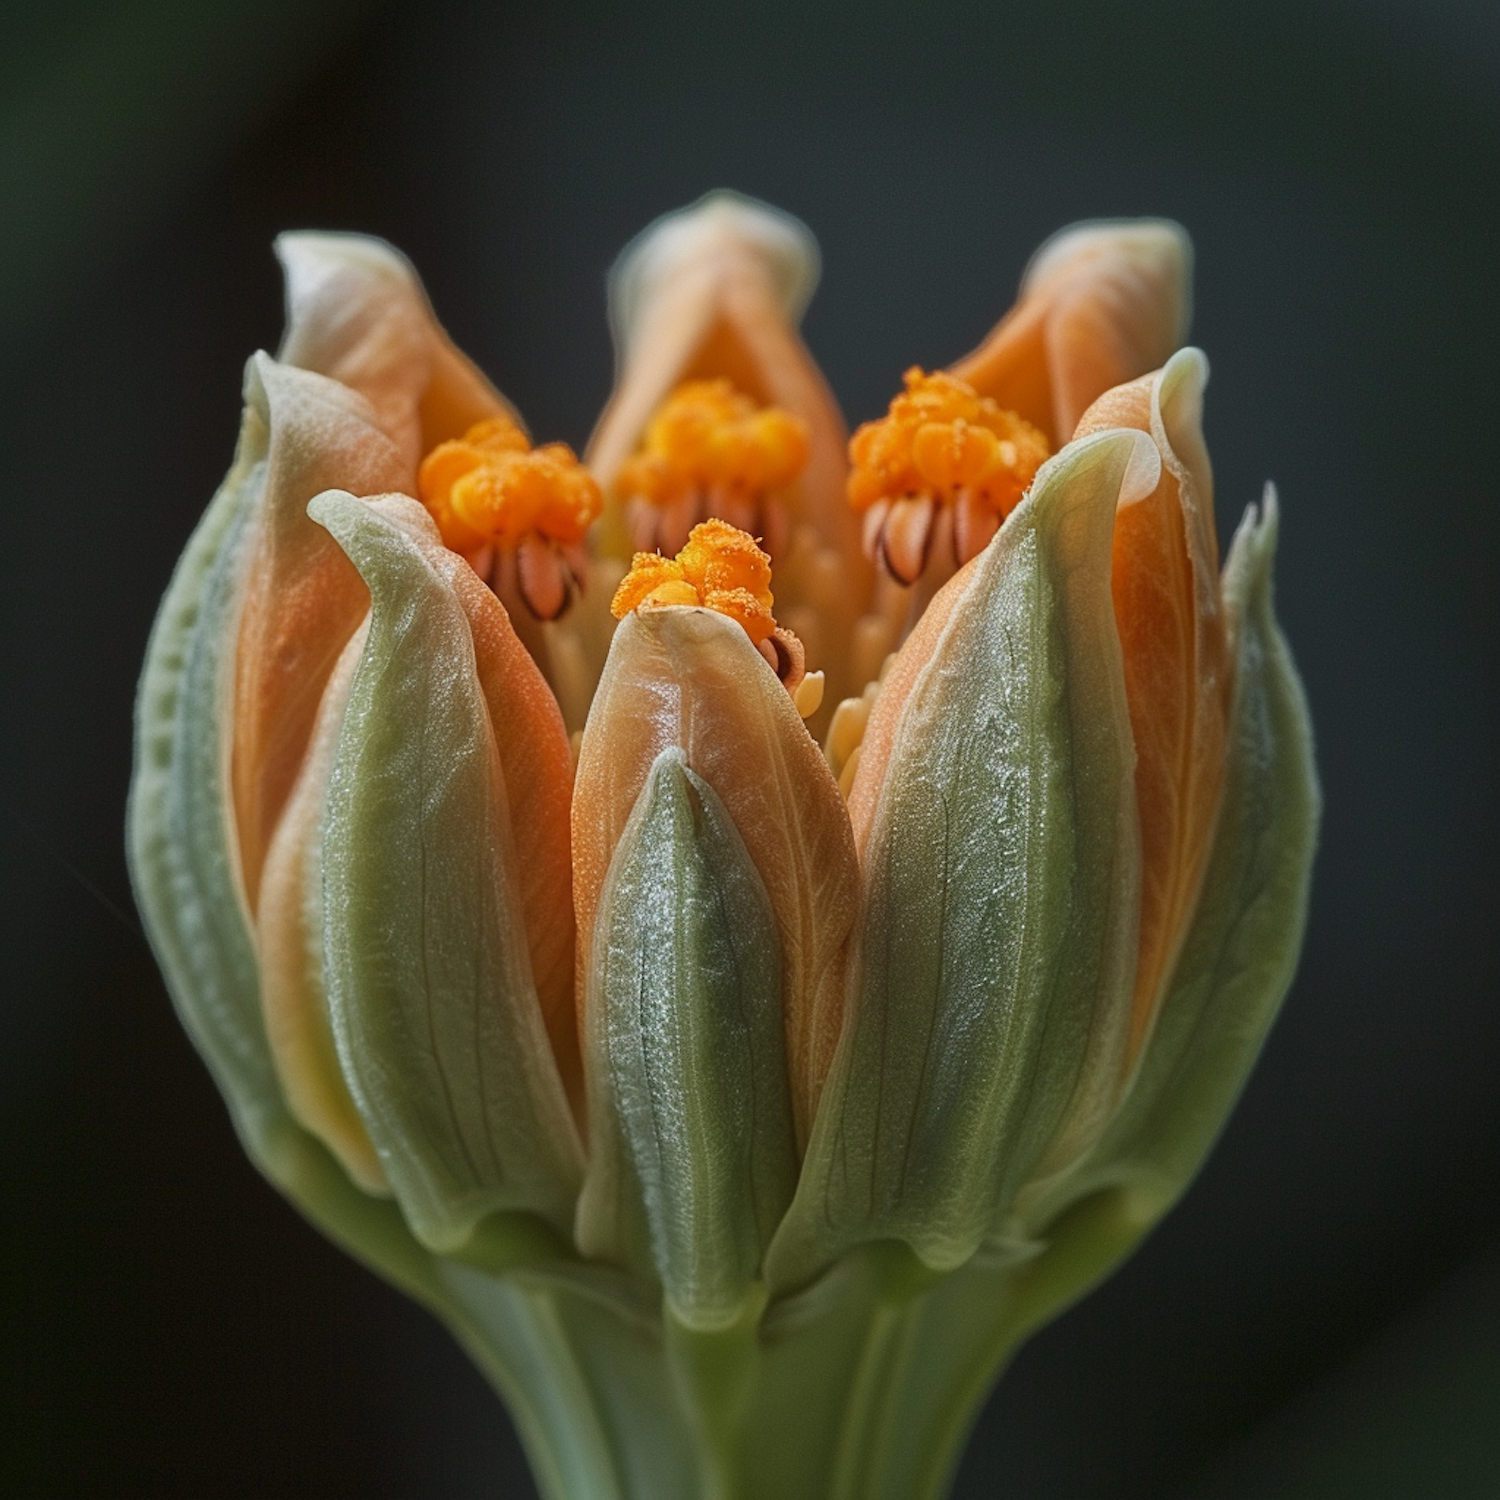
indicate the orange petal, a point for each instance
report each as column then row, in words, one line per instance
column 1172, row 634
column 716, row 290
column 1100, row 304
column 691, row 678
column 303, row 598
column 537, row 765
column 288, row 945
column 895, row 688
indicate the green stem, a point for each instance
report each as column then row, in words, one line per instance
column 862, row 1387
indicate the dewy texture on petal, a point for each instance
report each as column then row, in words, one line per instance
column 1100, row 304
column 998, row 940
column 1166, row 593
column 690, row 678
column 687, row 1030
column 432, row 984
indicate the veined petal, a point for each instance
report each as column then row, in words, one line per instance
column 690, row 678
column 429, row 966
column 302, row 600
column 181, row 839
column 1166, row 594
column 357, row 313
column 687, row 1031
column 1100, row 303
column 998, row 940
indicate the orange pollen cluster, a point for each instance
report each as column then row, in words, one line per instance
column 708, row 436
column 941, row 441
column 721, row 569
column 492, row 487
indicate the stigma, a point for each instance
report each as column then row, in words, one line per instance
column 710, row 451
column 518, row 509
column 943, row 458
column 722, row 568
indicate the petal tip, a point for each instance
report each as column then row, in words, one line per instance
column 720, row 223
column 1160, row 249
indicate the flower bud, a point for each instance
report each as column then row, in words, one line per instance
column 703, row 1104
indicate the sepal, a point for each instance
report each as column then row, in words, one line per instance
column 684, row 1030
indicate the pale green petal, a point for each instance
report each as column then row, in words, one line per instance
column 998, row 946
column 685, row 1016
column 426, row 961
column 1241, row 949
column 184, row 862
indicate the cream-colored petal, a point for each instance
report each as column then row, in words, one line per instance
column 1172, row 633
column 289, row 945
column 998, row 924
column 717, row 290
column 1101, row 303
column 356, row 312
column 431, row 981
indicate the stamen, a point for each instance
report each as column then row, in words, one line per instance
column 491, row 489
column 711, row 452
column 941, row 444
column 722, row 569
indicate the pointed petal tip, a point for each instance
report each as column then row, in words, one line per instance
column 1260, row 524
column 720, row 224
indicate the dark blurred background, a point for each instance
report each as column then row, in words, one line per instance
column 1321, row 1317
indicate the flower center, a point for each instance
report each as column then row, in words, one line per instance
column 941, row 445
column 709, row 451
column 492, row 489
column 721, row 568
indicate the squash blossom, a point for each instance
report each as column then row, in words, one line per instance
column 749, row 923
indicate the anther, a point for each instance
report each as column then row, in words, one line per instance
column 721, row 568
column 940, row 447
column 710, row 452
column 518, row 510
